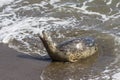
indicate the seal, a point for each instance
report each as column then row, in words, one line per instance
column 70, row 50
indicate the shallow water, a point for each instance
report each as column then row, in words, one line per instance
column 22, row 20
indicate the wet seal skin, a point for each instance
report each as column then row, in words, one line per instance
column 70, row 50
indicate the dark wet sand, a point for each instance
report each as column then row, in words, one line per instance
column 17, row 66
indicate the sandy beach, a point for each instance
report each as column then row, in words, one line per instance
column 17, row 66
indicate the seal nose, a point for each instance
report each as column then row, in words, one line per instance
column 90, row 42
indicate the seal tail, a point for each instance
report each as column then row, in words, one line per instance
column 47, row 42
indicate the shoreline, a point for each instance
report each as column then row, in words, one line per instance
column 18, row 66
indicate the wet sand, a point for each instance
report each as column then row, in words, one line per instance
column 17, row 66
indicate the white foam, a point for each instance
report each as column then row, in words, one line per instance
column 104, row 17
column 54, row 1
column 90, row 0
column 48, row 19
column 7, row 39
column 27, row 25
column 116, row 76
column 5, row 2
column 15, row 29
column 109, row 2
column 106, row 71
column 117, row 5
column 84, row 10
column 116, row 15
column 62, row 22
column 84, row 7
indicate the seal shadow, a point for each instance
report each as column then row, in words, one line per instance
column 40, row 58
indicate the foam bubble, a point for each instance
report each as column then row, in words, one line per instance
column 117, row 5
column 5, row 2
column 16, row 28
column 6, row 39
column 54, row 1
column 84, row 7
column 116, row 76
column 109, row 2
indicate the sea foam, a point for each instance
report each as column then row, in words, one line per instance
column 116, row 76
column 5, row 2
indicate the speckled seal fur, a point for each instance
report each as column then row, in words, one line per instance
column 70, row 50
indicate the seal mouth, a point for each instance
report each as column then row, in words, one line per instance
column 72, row 58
